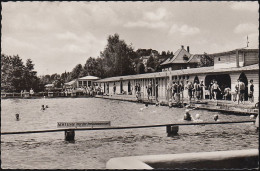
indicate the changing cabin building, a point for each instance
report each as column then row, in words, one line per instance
column 228, row 68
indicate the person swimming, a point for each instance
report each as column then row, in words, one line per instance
column 187, row 116
column 17, row 117
column 145, row 107
column 252, row 116
column 42, row 107
column 215, row 118
column 197, row 118
column 46, row 106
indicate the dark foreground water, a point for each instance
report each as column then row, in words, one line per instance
column 92, row 149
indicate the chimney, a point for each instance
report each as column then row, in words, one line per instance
column 188, row 49
column 182, row 46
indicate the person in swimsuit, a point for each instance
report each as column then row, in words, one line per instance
column 215, row 89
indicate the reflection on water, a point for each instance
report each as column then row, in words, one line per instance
column 92, row 149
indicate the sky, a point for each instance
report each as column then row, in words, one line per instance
column 57, row 36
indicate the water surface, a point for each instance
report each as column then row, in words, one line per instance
column 92, row 149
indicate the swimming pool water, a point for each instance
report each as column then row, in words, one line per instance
column 92, row 149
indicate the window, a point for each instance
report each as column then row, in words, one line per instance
column 188, row 77
column 218, row 59
column 80, row 83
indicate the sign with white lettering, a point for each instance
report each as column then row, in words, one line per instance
column 84, row 124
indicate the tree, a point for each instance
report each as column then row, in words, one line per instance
column 16, row 71
column 30, row 80
column 151, row 62
column 90, row 67
column 77, row 72
column 15, row 76
column 117, row 57
column 140, row 68
column 206, row 60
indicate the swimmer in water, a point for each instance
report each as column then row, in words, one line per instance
column 42, row 107
column 197, row 118
column 187, row 116
column 145, row 107
column 252, row 116
column 17, row 117
column 46, row 106
column 216, row 118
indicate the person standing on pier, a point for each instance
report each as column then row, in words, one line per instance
column 156, row 91
column 215, row 89
column 21, row 93
column 149, row 89
column 251, row 92
column 241, row 88
column 114, row 88
column 174, row 89
column 197, row 90
column 210, row 89
column 201, row 89
column 236, row 94
column 189, row 87
column 31, row 92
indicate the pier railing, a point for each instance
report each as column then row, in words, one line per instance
column 171, row 128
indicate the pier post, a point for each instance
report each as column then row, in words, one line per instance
column 69, row 135
column 172, row 130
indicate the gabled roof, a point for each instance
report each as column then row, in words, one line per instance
column 71, row 82
column 49, row 85
column 194, row 58
column 178, row 57
column 89, row 78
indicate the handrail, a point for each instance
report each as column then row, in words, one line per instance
column 129, row 127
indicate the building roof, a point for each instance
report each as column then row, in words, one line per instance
column 194, row 58
column 49, row 85
column 89, row 78
column 178, row 57
column 71, row 82
column 234, row 51
column 191, row 71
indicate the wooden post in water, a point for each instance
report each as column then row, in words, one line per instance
column 69, row 135
column 172, row 130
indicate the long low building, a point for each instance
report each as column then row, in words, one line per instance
column 228, row 68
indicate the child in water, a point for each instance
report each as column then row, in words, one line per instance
column 216, row 118
column 187, row 116
column 17, row 117
column 42, row 107
column 145, row 107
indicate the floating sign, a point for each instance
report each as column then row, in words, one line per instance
column 84, row 124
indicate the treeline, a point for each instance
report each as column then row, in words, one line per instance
column 15, row 76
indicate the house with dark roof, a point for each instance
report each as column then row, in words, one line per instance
column 182, row 59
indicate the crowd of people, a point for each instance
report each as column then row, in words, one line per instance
column 198, row 90
column 85, row 90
